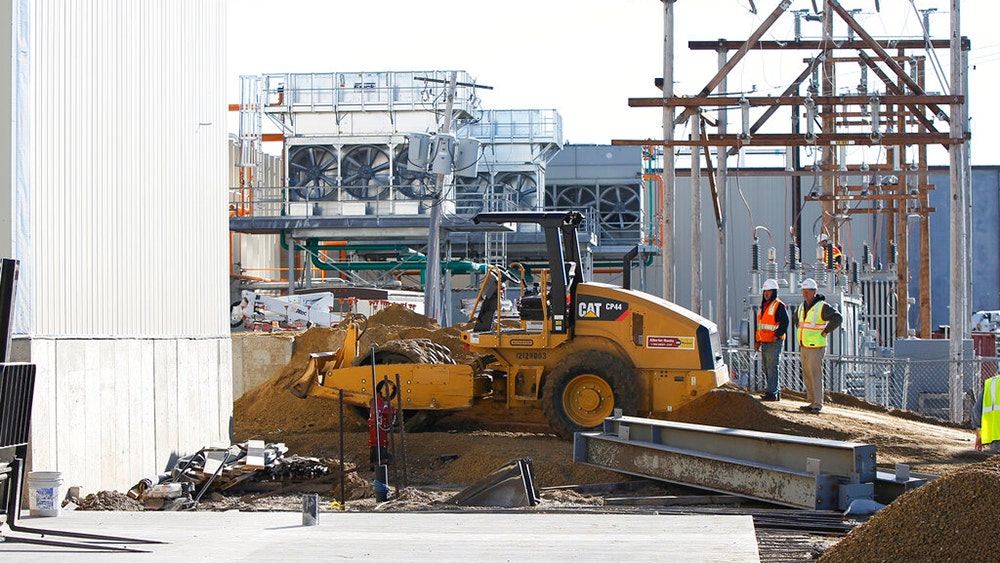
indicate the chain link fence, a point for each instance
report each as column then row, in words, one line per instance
column 919, row 386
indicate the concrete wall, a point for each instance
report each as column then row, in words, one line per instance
column 109, row 412
column 258, row 357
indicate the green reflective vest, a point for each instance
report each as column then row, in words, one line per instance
column 811, row 326
column 990, row 427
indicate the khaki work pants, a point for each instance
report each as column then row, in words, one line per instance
column 812, row 374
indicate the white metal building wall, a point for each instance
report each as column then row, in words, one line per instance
column 128, row 168
column 121, row 229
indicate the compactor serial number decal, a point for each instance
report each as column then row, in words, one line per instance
column 670, row 342
column 530, row 355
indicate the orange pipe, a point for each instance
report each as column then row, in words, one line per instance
column 657, row 179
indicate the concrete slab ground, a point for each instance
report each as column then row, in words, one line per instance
column 411, row 536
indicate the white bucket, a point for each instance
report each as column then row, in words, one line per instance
column 45, row 493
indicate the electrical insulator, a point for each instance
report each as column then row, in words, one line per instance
column 771, row 270
column 866, row 256
column 745, row 111
column 854, row 272
column 875, row 108
column 863, row 85
column 793, row 255
column 810, row 118
column 756, row 256
column 892, row 253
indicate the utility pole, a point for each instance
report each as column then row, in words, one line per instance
column 722, row 177
column 959, row 179
column 669, row 180
column 432, row 275
column 696, row 266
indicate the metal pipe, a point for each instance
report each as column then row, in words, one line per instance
column 343, row 469
column 402, row 431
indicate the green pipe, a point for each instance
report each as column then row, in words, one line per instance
column 453, row 266
column 314, row 245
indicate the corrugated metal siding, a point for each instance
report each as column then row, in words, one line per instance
column 128, row 170
column 258, row 255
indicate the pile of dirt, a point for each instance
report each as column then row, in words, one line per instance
column 949, row 519
column 270, row 410
column 107, row 500
column 732, row 407
column 398, row 315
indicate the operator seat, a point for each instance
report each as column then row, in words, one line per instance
column 488, row 305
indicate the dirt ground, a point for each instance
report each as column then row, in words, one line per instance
column 468, row 445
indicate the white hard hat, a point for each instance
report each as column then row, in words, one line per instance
column 808, row 283
column 822, row 238
column 769, row 284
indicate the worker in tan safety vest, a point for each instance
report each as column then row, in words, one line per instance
column 772, row 324
column 986, row 416
column 816, row 320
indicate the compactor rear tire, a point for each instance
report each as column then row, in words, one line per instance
column 584, row 389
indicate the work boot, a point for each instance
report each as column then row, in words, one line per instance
column 771, row 397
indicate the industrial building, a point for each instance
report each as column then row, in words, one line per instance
column 336, row 179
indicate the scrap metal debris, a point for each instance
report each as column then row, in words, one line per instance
column 511, row 485
column 249, row 467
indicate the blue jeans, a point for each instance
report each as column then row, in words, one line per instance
column 770, row 353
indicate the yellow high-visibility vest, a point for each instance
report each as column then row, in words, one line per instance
column 990, row 428
column 811, row 326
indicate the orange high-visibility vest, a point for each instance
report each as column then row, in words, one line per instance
column 767, row 324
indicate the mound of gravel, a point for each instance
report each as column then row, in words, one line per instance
column 950, row 519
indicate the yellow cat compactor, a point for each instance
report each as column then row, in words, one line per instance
column 581, row 350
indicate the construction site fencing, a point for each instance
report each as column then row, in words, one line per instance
column 920, row 386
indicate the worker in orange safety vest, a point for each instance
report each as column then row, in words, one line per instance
column 772, row 324
column 827, row 246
